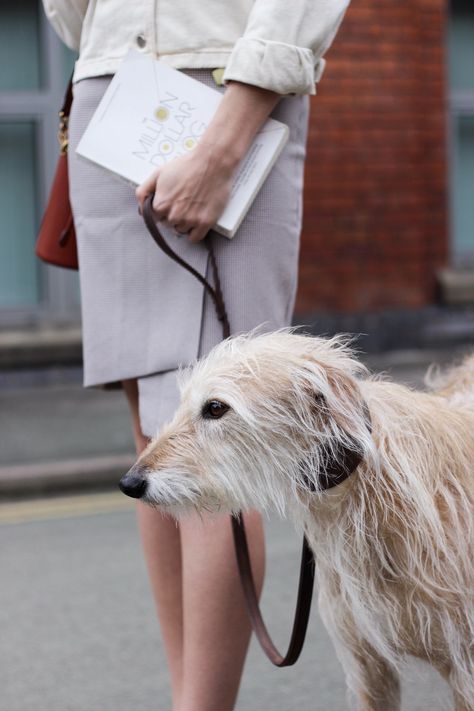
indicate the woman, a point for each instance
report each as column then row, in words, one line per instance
column 143, row 315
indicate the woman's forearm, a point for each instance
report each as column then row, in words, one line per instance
column 191, row 191
column 242, row 112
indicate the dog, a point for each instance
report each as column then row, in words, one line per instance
column 264, row 418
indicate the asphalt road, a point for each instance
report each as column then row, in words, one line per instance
column 78, row 631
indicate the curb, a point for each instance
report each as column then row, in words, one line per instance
column 71, row 475
column 36, row 348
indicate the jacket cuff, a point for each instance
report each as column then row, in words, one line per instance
column 283, row 68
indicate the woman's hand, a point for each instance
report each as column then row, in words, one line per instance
column 191, row 191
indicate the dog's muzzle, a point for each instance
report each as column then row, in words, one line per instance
column 134, row 482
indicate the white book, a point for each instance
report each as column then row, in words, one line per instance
column 152, row 113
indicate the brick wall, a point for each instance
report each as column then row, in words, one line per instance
column 375, row 224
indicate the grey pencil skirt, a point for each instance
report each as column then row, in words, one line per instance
column 143, row 316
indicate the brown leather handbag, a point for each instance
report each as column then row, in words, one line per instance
column 56, row 242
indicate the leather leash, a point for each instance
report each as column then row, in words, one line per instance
column 306, row 578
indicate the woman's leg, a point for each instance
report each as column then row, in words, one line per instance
column 216, row 627
column 197, row 591
column 162, row 549
column 161, row 546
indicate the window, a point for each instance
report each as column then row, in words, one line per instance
column 36, row 67
column 19, row 284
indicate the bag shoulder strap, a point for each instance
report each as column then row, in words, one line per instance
column 67, row 101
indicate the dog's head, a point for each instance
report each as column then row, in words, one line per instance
column 263, row 420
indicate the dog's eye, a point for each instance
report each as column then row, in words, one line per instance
column 214, row 409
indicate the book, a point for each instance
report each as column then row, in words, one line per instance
column 152, row 113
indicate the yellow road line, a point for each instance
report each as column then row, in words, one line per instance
column 63, row 507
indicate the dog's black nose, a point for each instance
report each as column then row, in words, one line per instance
column 133, row 483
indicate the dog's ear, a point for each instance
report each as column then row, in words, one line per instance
column 345, row 418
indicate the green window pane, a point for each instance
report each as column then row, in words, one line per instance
column 19, row 45
column 464, row 186
column 461, row 44
column 18, row 265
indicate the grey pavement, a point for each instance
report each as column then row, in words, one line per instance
column 78, row 629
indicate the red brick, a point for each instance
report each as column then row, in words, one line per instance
column 375, row 202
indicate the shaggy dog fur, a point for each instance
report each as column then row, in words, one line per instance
column 392, row 544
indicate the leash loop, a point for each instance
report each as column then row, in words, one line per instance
column 303, row 600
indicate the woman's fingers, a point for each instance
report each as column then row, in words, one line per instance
column 160, row 208
column 190, row 193
column 146, row 188
column 197, row 233
column 182, row 228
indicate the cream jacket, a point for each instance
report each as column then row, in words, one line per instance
column 274, row 44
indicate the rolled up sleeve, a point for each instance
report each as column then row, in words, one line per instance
column 66, row 18
column 283, row 44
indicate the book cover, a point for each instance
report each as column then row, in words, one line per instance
column 152, row 113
